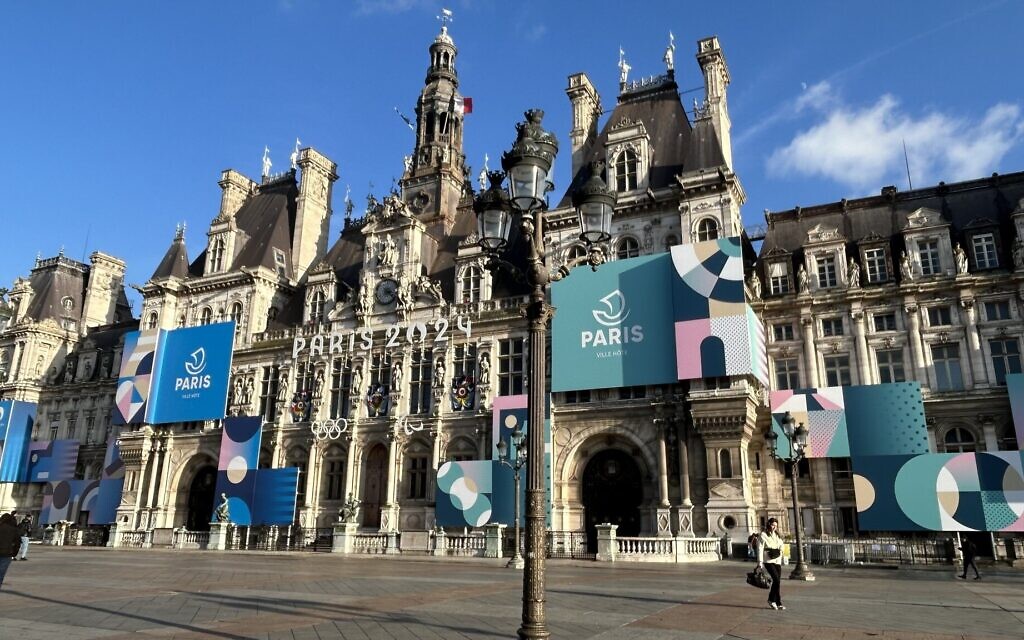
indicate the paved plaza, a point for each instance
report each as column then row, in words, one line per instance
column 77, row 593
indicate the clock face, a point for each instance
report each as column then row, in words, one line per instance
column 387, row 291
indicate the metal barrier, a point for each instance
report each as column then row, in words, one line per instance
column 273, row 538
column 569, row 545
column 880, row 551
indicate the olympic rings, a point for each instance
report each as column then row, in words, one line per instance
column 329, row 429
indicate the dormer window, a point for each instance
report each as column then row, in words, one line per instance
column 206, row 316
column 778, row 278
column 280, row 265
column 928, row 254
column 470, row 284
column 985, row 256
column 876, row 265
column 236, row 316
column 317, row 306
column 628, row 248
column 707, row 229
column 217, row 255
column 151, row 320
column 827, row 272
column 626, row 170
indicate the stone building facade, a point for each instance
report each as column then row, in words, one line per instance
column 373, row 329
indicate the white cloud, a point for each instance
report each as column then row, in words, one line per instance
column 366, row 7
column 862, row 147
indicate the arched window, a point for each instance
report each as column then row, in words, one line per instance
column 272, row 313
column 707, row 229
column 724, row 464
column 671, row 241
column 470, row 284
column 628, row 248
column 625, row 170
column 151, row 320
column 574, row 252
column 959, row 440
column 206, row 316
column 334, row 474
column 217, row 255
column 316, row 307
column 236, row 316
column 460, row 450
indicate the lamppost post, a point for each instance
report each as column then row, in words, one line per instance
column 516, row 562
column 797, row 437
column 527, row 165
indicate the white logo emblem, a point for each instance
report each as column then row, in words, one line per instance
column 1, row 415
column 617, row 310
column 195, row 365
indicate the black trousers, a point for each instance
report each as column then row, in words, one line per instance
column 969, row 562
column 775, row 571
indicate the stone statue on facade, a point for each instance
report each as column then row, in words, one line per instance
column 853, row 273
column 247, row 393
column 430, row 287
column 961, row 259
column 1018, row 254
column 236, row 393
column 267, row 164
column 439, row 373
column 222, row 513
column 755, row 285
column 802, row 280
column 347, row 512
column 295, row 155
column 105, row 364
column 396, row 376
column 623, row 67
column 670, row 53
column 282, row 388
column 485, row 369
column 363, row 302
column 388, row 254
column 408, row 164
column 906, row 268
column 405, row 302
column 357, row 380
column 318, row 383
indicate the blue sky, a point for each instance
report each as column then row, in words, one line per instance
column 117, row 117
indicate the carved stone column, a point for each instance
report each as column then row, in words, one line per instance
column 974, row 343
column 863, row 359
column 684, row 511
column 810, row 354
column 916, row 348
column 663, row 517
column 389, row 512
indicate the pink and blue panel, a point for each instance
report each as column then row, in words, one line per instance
column 236, row 467
column 275, row 496
column 465, row 493
column 52, row 461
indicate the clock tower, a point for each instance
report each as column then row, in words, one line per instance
column 435, row 174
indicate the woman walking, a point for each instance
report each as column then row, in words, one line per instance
column 769, row 556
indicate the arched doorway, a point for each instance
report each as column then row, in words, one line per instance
column 375, row 483
column 200, row 499
column 612, row 492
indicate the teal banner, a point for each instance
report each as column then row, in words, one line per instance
column 614, row 327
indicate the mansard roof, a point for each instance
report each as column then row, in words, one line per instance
column 655, row 104
column 885, row 216
column 175, row 261
column 266, row 222
column 52, row 280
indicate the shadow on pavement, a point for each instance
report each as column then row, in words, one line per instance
column 113, row 612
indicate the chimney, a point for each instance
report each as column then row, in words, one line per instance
column 716, row 79
column 106, row 282
column 236, row 189
column 586, row 108
column 313, row 210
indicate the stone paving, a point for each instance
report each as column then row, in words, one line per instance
column 77, row 593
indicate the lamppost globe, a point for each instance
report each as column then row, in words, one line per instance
column 800, row 438
column 528, row 162
column 594, row 203
column 502, row 450
column 494, row 214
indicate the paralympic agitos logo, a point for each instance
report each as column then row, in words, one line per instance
column 194, row 367
column 612, row 316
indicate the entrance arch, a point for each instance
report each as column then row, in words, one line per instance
column 200, row 499
column 375, row 484
column 612, row 492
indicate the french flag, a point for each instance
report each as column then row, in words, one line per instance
column 463, row 105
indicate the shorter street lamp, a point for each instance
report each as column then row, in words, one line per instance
column 518, row 440
column 796, row 434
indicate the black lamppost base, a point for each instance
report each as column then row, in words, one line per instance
column 802, row 572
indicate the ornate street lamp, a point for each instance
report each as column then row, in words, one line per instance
column 796, row 434
column 527, row 166
column 518, row 439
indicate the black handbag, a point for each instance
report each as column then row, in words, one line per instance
column 759, row 578
column 772, row 554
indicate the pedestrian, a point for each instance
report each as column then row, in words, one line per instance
column 769, row 556
column 752, row 546
column 970, row 551
column 26, row 534
column 10, row 541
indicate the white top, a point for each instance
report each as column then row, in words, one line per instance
column 769, row 541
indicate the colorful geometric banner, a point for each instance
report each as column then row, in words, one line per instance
column 66, row 499
column 174, row 376
column 17, row 419
column 1015, row 388
column 465, row 493
column 52, row 461
column 868, row 420
column 613, row 327
column 940, row 492
column 716, row 332
column 103, row 508
column 236, row 466
column 275, row 496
